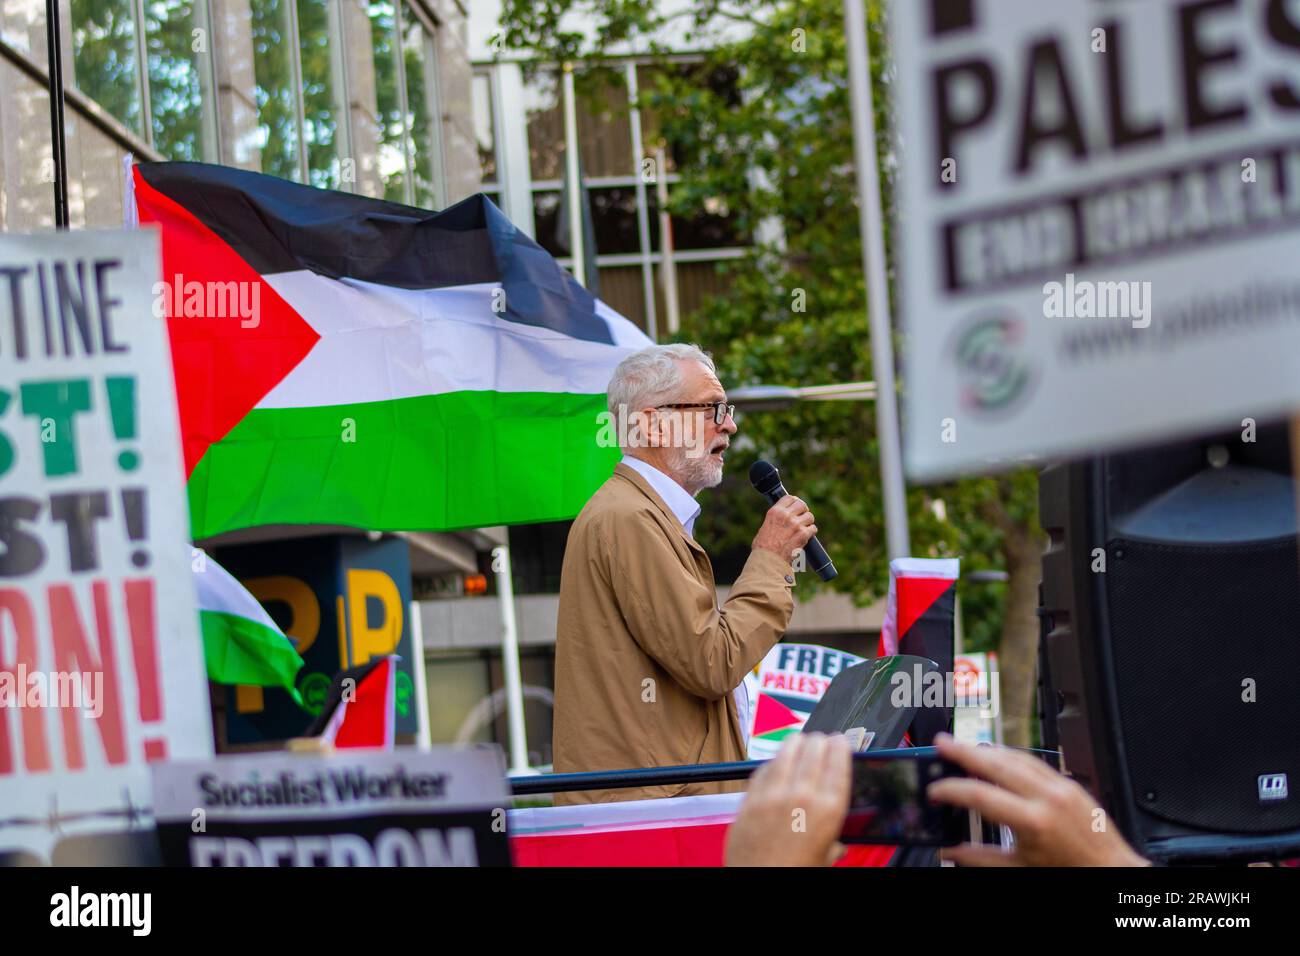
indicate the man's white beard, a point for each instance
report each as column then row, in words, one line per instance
column 697, row 472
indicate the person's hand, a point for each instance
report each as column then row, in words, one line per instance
column 787, row 527
column 794, row 811
column 1056, row 822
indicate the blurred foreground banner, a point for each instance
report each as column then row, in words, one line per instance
column 101, row 664
column 442, row 807
column 1100, row 222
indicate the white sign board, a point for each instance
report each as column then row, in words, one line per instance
column 784, row 690
column 441, row 807
column 101, row 664
column 1100, row 223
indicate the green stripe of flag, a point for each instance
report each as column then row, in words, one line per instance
column 436, row 462
column 238, row 650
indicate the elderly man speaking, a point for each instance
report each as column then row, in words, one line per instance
column 648, row 667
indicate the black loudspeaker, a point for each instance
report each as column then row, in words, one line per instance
column 1171, row 630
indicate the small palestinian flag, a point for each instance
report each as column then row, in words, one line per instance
column 350, row 361
column 241, row 644
column 920, row 619
column 359, row 706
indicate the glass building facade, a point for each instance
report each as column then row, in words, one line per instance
column 370, row 96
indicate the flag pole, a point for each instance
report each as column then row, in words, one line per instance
column 667, row 265
column 871, row 226
column 58, row 143
column 510, row 662
column 571, row 175
column 423, row 739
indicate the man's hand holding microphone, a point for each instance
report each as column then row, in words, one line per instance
column 787, row 527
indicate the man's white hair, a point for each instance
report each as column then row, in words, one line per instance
column 652, row 376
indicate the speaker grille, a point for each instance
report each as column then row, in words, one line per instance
column 1190, row 625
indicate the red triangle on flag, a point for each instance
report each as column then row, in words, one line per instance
column 915, row 597
column 223, row 366
column 367, row 719
column 773, row 715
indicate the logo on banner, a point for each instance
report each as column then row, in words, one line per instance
column 993, row 369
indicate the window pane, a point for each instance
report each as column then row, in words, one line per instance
column 604, row 127
column 546, row 221
column 275, row 93
column 537, row 673
column 537, row 555
column 455, row 685
column 20, row 26
column 392, row 160
column 485, row 128
column 622, row 290
column 105, row 66
column 175, row 94
column 713, row 228
column 545, row 125
column 25, row 150
column 647, row 80
column 696, row 282
column 316, row 36
column 421, row 113
column 613, row 213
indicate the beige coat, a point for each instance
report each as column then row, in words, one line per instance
column 645, row 660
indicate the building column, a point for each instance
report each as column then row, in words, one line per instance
column 363, row 103
column 460, row 167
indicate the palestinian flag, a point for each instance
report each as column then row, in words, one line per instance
column 921, row 619
column 359, row 706
column 349, row 361
column 241, row 644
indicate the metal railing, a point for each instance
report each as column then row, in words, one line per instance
column 666, row 776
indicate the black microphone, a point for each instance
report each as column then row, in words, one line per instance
column 767, row 480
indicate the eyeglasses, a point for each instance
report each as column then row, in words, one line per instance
column 720, row 409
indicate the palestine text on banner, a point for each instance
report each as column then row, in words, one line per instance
column 346, row 360
column 101, row 669
column 1099, row 219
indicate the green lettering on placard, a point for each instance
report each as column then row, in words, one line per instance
column 6, row 446
column 57, row 403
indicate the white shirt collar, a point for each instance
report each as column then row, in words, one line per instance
column 679, row 501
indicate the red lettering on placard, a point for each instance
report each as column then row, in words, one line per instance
column 15, row 608
column 73, row 653
column 144, row 650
